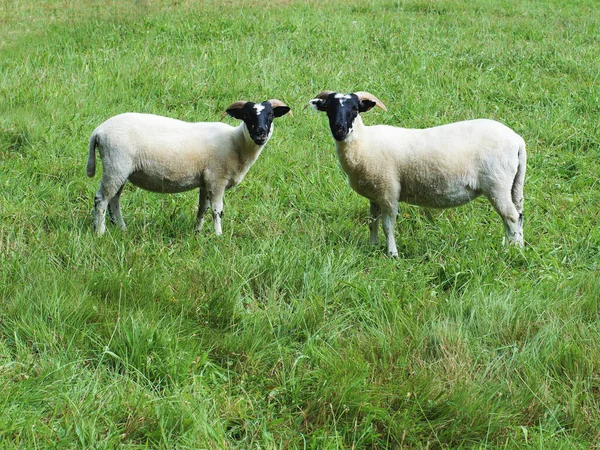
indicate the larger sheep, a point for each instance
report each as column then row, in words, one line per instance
column 438, row 167
column 166, row 155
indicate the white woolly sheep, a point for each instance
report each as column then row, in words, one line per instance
column 439, row 167
column 166, row 155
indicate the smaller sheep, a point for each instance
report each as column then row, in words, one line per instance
column 439, row 167
column 166, row 155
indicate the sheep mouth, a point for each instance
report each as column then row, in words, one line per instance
column 260, row 141
column 339, row 132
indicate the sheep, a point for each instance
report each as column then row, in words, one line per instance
column 439, row 167
column 165, row 155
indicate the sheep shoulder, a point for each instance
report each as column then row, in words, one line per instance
column 369, row 162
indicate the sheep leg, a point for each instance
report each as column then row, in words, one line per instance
column 114, row 176
column 99, row 212
column 374, row 224
column 216, row 201
column 114, row 209
column 107, row 190
column 203, row 203
column 389, row 219
column 511, row 216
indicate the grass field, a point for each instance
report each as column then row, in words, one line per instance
column 290, row 331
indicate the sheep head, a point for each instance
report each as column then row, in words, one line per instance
column 258, row 117
column 343, row 109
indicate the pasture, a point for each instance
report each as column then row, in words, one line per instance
column 289, row 330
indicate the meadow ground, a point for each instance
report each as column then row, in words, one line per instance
column 290, row 331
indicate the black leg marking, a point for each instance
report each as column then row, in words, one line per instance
column 111, row 215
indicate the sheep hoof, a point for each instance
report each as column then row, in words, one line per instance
column 513, row 242
column 392, row 254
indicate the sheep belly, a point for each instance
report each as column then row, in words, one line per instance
column 441, row 193
column 165, row 181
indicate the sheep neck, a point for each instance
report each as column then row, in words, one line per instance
column 247, row 150
column 246, row 153
column 348, row 150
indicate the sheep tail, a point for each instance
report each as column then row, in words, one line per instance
column 91, row 162
column 519, row 181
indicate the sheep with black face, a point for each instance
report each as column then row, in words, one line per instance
column 439, row 167
column 166, row 155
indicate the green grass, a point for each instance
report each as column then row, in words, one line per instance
column 290, row 331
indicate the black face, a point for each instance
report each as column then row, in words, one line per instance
column 342, row 110
column 258, row 118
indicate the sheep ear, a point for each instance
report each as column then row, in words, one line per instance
column 280, row 108
column 366, row 105
column 318, row 104
column 279, row 111
column 235, row 110
column 366, row 99
column 320, row 101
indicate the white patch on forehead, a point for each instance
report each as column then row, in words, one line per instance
column 342, row 97
column 258, row 108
